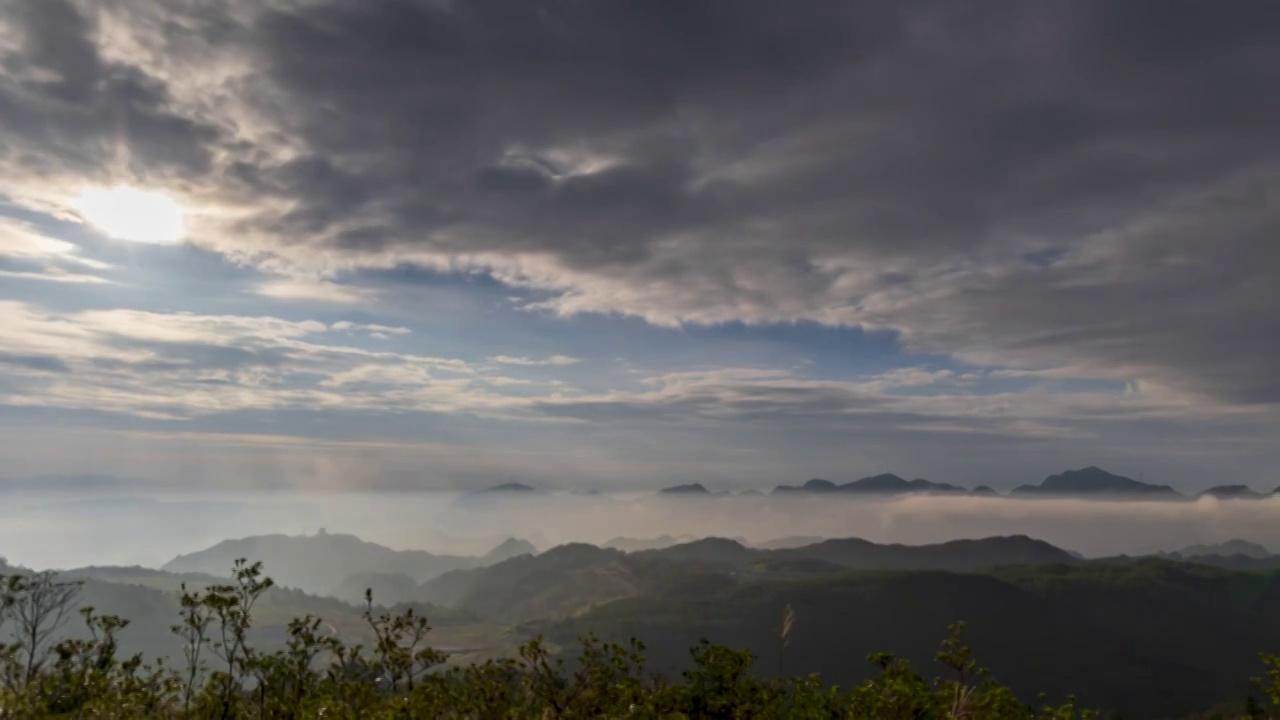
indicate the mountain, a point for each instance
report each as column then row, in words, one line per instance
column 560, row 581
column 791, row 541
column 633, row 544
column 983, row 490
column 1241, row 563
column 690, row 489
column 511, row 487
column 322, row 563
column 1149, row 639
column 716, row 550
column 885, row 483
column 882, row 483
column 389, row 588
column 815, row 485
column 572, row 578
column 169, row 582
column 1095, row 481
column 1234, row 546
column 922, row 485
column 858, row 554
column 509, row 548
column 854, row 553
column 1228, row 492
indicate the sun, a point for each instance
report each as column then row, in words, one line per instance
column 133, row 214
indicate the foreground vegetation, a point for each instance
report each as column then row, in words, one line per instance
column 221, row 674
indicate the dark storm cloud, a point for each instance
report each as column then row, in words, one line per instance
column 914, row 123
column 741, row 144
column 62, row 106
column 1082, row 187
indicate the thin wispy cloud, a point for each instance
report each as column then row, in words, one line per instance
column 552, row 360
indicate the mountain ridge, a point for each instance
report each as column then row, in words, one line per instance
column 322, row 563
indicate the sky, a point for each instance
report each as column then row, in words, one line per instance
column 436, row 244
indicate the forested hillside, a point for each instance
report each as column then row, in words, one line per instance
column 1151, row 638
column 1141, row 637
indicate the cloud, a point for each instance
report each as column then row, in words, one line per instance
column 551, row 360
column 1038, row 192
column 71, row 113
column 39, row 257
column 53, row 274
column 381, row 332
column 184, row 367
column 743, row 394
column 1032, row 186
column 294, row 289
column 177, row 366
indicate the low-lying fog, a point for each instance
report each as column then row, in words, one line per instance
column 64, row 530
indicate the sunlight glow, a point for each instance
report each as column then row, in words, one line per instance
column 134, row 214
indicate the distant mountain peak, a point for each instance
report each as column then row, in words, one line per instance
column 689, row 489
column 509, row 487
column 1234, row 546
column 882, row 483
column 891, row 483
column 1232, row 491
column 509, row 548
column 321, row 562
column 1093, row 479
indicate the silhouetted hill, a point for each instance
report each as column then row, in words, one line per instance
column 511, row 487
column 885, row 484
column 791, row 541
column 855, row 553
column 1241, row 563
column 570, row 578
column 1149, row 638
column 321, row 563
column 1234, row 546
column 815, row 485
column 882, row 483
column 983, row 490
column 859, row 554
column 1229, row 492
column 560, row 581
column 922, row 485
column 633, row 544
column 509, row 548
column 1095, row 481
column 690, row 489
